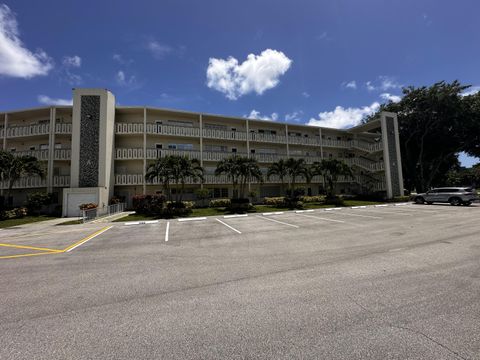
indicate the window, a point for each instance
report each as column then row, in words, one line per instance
column 158, row 146
column 234, row 129
column 252, row 151
column 185, row 146
column 44, row 122
column 180, row 123
column 13, row 150
column 43, row 146
column 58, row 145
column 234, row 150
column 220, row 192
column 32, row 148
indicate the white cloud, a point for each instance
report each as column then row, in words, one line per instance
column 350, row 85
column 294, row 116
column 305, row 94
column 256, row 74
column 15, row 59
column 343, row 117
column 254, row 114
column 123, row 80
column 46, row 100
column 383, row 83
column 390, row 97
column 158, row 50
column 72, row 61
column 121, row 60
column 471, row 91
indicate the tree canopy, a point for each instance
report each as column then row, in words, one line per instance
column 435, row 124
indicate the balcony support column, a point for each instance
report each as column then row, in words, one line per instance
column 286, row 139
column 200, row 122
column 51, row 149
column 248, row 147
column 144, row 150
column 5, row 124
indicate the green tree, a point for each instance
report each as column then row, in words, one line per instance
column 12, row 168
column 435, row 124
column 177, row 170
column 239, row 170
column 279, row 168
column 331, row 169
column 296, row 168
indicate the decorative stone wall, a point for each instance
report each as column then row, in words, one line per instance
column 89, row 137
column 392, row 155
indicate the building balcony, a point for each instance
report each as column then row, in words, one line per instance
column 172, row 130
column 63, row 128
column 28, row 130
column 41, row 155
column 365, row 164
column 366, row 146
column 62, row 154
column 224, row 134
column 128, row 128
column 38, row 182
column 268, row 138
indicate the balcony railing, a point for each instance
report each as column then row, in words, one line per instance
column 366, row 146
column 37, row 182
column 63, row 154
column 365, row 164
column 278, row 139
column 224, row 134
column 28, row 130
column 173, row 130
column 63, row 128
column 39, row 154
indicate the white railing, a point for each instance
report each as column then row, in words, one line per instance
column 335, row 143
column 219, row 155
column 61, row 181
column 224, row 134
column 29, row 130
column 280, row 139
column 365, row 164
column 38, row 154
column 128, row 128
column 62, row 154
column 366, row 146
column 301, row 140
column 128, row 153
column 173, row 130
column 63, row 128
column 93, row 214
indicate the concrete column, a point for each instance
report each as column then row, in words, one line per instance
column 248, row 136
column 51, row 149
column 5, row 132
column 321, row 143
column 286, row 137
column 200, row 121
column 144, row 150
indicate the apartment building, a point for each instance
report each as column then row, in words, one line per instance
column 95, row 150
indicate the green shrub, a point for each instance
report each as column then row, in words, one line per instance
column 216, row 203
column 88, row 206
column 275, row 201
column 240, row 206
column 13, row 213
column 293, row 203
column 20, row 212
column 35, row 202
column 312, row 199
column 172, row 208
column 335, row 200
column 149, row 204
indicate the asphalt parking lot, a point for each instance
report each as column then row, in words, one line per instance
column 392, row 282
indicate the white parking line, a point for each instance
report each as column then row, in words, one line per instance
column 193, row 219
column 273, row 213
column 321, row 218
column 280, row 222
column 230, row 227
column 166, row 230
column 303, row 211
column 358, row 215
column 235, row 216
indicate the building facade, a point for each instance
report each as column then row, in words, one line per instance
column 95, row 150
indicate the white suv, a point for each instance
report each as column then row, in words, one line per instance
column 452, row 195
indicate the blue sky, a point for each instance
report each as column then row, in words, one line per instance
column 318, row 62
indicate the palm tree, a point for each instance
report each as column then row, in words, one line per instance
column 183, row 169
column 12, row 168
column 296, row 168
column 160, row 171
column 331, row 169
column 240, row 170
column 230, row 166
column 249, row 170
column 175, row 169
column 279, row 169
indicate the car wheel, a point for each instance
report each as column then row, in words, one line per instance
column 454, row 201
column 467, row 203
column 419, row 200
column 429, row 202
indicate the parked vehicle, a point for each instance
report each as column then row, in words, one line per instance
column 452, row 195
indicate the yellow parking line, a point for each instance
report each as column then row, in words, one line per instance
column 85, row 239
column 35, row 254
column 30, row 247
